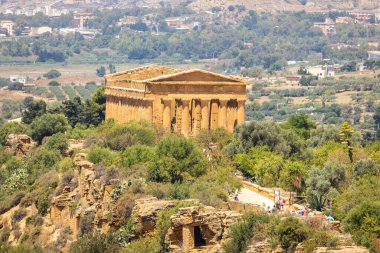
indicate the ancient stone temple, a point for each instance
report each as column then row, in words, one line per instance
column 179, row 101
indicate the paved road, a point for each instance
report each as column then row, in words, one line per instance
column 248, row 196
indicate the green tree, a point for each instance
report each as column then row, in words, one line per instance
column 323, row 183
column 262, row 164
column 101, row 71
column 365, row 167
column 52, row 74
column 111, row 68
column 73, row 110
column 33, row 110
column 178, row 158
column 348, row 67
column 346, row 133
column 250, row 20
column 292, row 177
column 301, row 124
column 47, row 125
column 266, row 133
column 363, row 222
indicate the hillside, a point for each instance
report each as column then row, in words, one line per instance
column 289, row 5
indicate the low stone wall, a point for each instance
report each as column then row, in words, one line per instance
column 243, row 207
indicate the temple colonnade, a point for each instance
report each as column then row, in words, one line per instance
column 180, row 115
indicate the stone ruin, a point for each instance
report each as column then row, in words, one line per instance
column 19, row 144
column 91, row 198
column 200, row 229
column 193, row 229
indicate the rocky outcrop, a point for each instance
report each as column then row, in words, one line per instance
column 88, row 205
column 19, row 144
column 73, row 146
column 146, row 211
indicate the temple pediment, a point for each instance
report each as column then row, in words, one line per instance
column 195, row 75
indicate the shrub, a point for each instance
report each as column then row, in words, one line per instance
column 11, row 201
column 97, row 155
column 45, row 159
column 4, row 235
column 208, row 193
column 363, row 222
column 11, row 128
column 65, row 164
column 85, row 224
column 57, row 142
column 290, row 233
column 242, row 232
column 137, row 154
column 19, row 214
column 43, row 206
column 54, row 83
column 147, row 244
column 121, row 136
column 97, row 243
column 178, row 191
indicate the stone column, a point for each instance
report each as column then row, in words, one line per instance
column 214, row 118
column 241, row 111
column 129, row 112
column 125, row 109
column 205, row 122
column 108, row 107
column 188, row 238
column 185, row 117
column 223, row 113
column 149, row 110
column 197, row 117
column 119, row 113
column 232, row 116
column 166, row 115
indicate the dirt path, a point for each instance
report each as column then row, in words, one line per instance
column 247, row 196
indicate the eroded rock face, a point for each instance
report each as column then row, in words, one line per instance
column 19, row 144
column 89, row 203
column 74, row 145
column 200, row 229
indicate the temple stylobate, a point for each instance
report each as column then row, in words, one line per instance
column 179, row 101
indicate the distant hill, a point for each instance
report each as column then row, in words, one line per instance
column 289, row 5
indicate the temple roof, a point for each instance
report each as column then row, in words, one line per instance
column 157, row 74
column 142, row 73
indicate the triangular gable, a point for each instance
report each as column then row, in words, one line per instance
column 195, row 75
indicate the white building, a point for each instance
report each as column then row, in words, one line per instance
column 18, row 79
column 374, row 55
column 322, row 71
column 34, row 31
column 7, row 25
